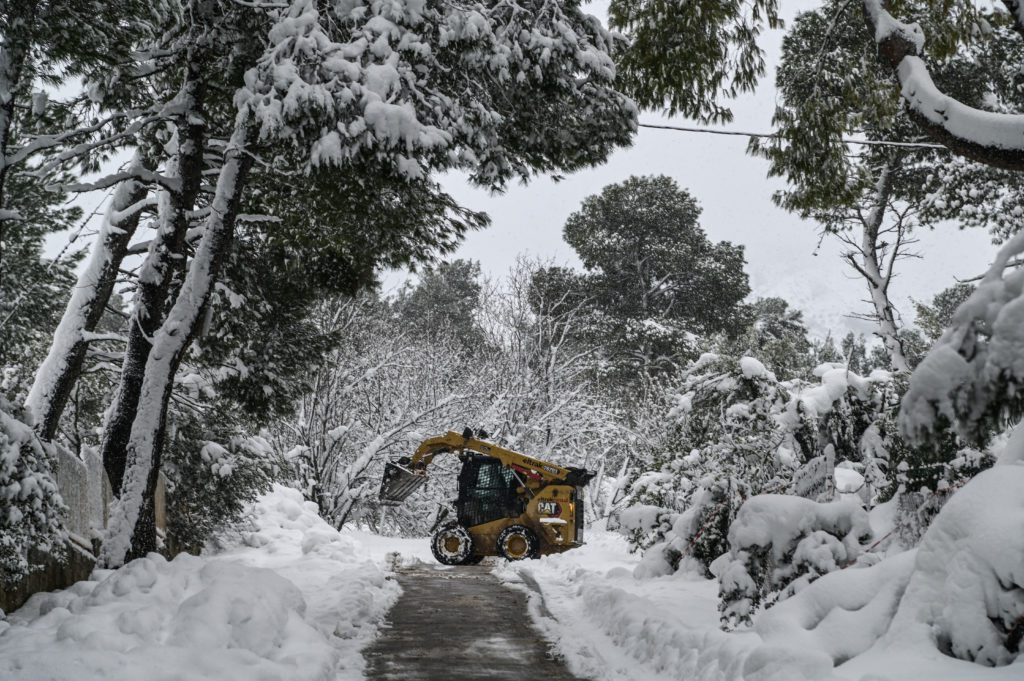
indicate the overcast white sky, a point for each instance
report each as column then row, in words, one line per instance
column 782, row 252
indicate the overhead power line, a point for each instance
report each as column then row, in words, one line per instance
column 775, row 135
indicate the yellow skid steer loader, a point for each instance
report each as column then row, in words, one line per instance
column 509, row 504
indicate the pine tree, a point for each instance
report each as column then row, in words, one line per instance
column 653, row 280
column 874, row 200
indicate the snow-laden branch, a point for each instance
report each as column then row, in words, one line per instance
column 141, row 174
column 992, row 138
column 973, row 373
column 40, row 143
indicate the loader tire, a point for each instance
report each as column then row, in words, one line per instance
column 452, row 545
column 517, row 542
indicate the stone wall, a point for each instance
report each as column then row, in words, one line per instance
column 78, row 565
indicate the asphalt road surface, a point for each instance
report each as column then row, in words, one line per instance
column 460, row 624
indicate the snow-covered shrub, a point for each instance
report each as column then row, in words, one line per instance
column 967, row 590
column 779, row 544
column 212, row 478
column 719, row 448
column 31, row 508
column 844, row 417
column 699, row 533
column 737, row 432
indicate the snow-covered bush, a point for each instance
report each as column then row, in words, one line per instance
column 779, row 544
column 967, row 590
column 213, row 476
column 719, row 449
column 698, row 533
column 924, row 487
column 31, row 508
column 738, row 432
column 844, row 417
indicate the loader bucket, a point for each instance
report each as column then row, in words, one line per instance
column 398, row 483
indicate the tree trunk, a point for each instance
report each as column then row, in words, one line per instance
column 874, row 272
column 164, row 261
column 131, row 532
column 12, row 62
column 63, row 364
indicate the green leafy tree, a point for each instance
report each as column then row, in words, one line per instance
column 424, row 100
column 777, row 335
column 832, row 87
column 688, row 57
column 935, row 317
column 33, row 287
column 653, row 281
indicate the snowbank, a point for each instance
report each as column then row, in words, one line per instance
column 877, row 623
column 290, row 599
column 967, row 589
column 612, row 627
column 843, row 613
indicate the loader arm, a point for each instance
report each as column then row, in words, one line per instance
column 404, row 476
column 452, row 442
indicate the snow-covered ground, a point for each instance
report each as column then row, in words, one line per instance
column 857, row 624
column 289, row 598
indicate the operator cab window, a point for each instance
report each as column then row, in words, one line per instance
column 486, row 491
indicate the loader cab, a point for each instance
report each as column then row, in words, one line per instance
column 487, row 491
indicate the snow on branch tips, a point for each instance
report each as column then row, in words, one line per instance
column 363, row 82
column 971, row 378
column 780, row 544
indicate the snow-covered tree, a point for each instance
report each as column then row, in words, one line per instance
column 31, row 508
column 458, row 91
column 444, row 302
column 725, row 446
column 653, row 280
column 737, row 432
column 374, row 397
column 873, row 197
column 33, row 287
column 775, row 334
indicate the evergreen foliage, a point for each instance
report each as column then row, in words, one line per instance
column 31, row 507
column 653, row 282
column 688, row 57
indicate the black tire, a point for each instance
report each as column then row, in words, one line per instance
column 517, row 542
column 473, row 560
column 452, row 545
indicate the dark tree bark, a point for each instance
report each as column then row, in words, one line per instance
column 187, row 317
column 159, row 276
